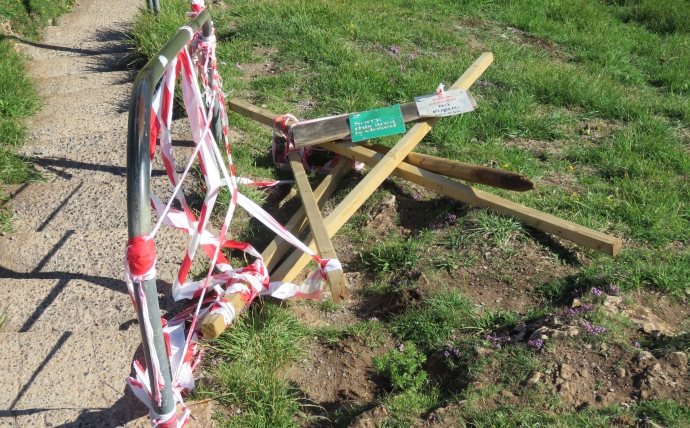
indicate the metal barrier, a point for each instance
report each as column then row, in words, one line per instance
column 138, row 187
column 154, row 7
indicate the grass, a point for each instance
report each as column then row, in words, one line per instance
column 19, row 98
column 589, row 98
column 245, row 366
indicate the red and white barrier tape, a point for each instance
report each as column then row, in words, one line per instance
column 252, row 280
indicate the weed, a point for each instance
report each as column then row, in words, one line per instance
column 247, row 357
column 393, row 256
column 328, row 306
column 403, row 367
column 427, row 324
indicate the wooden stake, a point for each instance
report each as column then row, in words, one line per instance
column 213, row 325
column 476, row 174
column 324, row 129
column 383, row 169
column 564, row 229
column 296, row 225
column 339, row 288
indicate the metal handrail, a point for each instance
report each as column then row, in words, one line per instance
column 154, row 7
column 139, row 186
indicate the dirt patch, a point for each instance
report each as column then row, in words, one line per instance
column 565, row 181
column 338, row 376
column 541, row 149
column 264, row 67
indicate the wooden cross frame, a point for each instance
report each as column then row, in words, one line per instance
column 425, row 170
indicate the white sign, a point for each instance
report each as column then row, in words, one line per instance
column 448, row 103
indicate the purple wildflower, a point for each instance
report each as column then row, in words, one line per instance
column 497, row 340
column 636, row 344
column 403, row 187
column 536, row 343
column 451, row 217
column 595, row 291
column 573, row 312
column 416, row 197
column 613, row 289
column 451, row 350
column 594, row 330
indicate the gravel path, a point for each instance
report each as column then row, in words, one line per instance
column 71, row 333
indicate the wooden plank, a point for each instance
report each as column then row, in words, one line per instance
column 339, row 288
column 383, row 169
column 251, row 111
column 298, row 222
column 321, row 130
column 476, row 174
column 564, row 229
column 324, row 129
column 213, row 325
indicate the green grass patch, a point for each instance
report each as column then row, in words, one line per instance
column 28, row 17
column 244, row 368
column 19, row 97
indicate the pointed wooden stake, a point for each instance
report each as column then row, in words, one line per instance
column 339, row 288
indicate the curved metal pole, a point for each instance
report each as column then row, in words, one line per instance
column 138, row 192
column 154, row 7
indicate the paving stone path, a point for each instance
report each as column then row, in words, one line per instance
column 71, row 332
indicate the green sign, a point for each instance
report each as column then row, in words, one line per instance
column 376, row 123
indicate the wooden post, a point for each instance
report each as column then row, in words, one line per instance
column 213, row 325
column 383, row 169
column 476, row 174
column 564, row 229
column 296, row 225
column 339, row 288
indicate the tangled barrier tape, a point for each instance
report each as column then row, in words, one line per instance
column 194, row 64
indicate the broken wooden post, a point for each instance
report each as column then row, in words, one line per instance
column 476, row 174
column 339, row 288
column 298, row 222
column 213, row 325
column 562, row 228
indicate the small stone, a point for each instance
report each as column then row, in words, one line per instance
column 535, row 377
column 564, row 387
column 484, row 352
column 588, row 346
column 678, row 360
column 584, row 373
column 506, row 393
column 620, row 372
column 547, row 371
column 38, row 151
column 610, row 389
column 645, row 356
column 567, row 371
column 644, row 394
column 519, row 332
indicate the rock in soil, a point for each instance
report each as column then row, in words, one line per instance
column 370, row 419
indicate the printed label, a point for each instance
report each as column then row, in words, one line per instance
column 376, row 123
column 449, row 103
